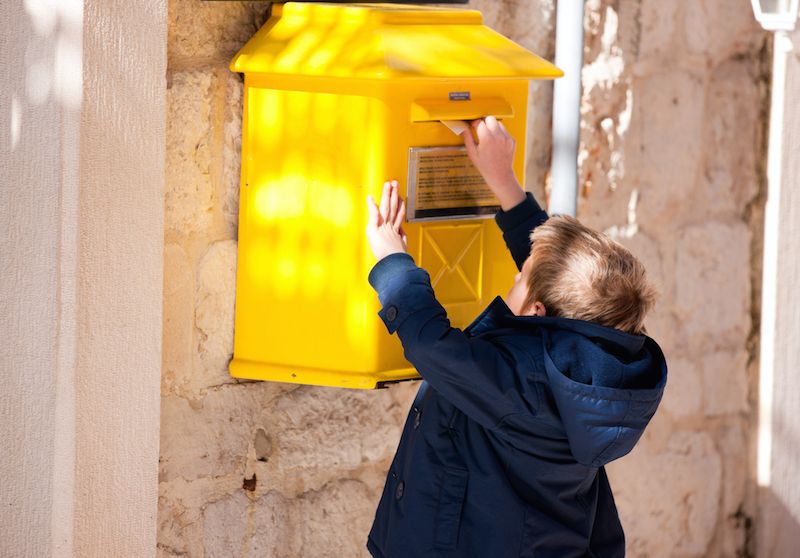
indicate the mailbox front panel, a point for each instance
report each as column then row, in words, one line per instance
column 303, row 303
column 304, row 310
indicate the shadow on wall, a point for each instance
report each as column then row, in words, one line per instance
column 40, row 100
column 49, row 70
column 778, row 531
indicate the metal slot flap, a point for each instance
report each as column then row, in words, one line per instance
column 433, row 110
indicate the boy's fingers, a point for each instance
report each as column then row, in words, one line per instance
column 482, row 131
column 393, row 202
column 384, row 207
column 475, row 125
column 503, row 128
column 469, row 143
column 491, row 123
column 401, row 215
column 374, row 217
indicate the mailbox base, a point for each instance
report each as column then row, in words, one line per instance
column 252, row 370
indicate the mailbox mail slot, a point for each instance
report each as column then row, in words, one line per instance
column 435, row 110
column 338, row 99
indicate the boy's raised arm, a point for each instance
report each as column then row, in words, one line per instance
column 493, row 155
column 469, row 372
column 517, row 224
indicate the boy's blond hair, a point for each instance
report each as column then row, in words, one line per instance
column 579, row 273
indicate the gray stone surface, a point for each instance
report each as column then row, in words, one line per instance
column 178, row 333
column 669, row 499
column 189, row 197
column 214, row 306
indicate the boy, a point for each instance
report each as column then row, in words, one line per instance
column 503, row 451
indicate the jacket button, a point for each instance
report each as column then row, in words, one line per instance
column 417, row 420
column 391, row 313
column 401, row 487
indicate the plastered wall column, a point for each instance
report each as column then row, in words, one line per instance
column 81, row 243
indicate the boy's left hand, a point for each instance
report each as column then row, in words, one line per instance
column 385, row 226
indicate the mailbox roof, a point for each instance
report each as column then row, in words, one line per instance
column 384, row 41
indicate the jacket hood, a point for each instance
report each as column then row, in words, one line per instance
column 606, row 383
column 605, row 393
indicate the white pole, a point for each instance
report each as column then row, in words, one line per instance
column 781, row 50
column 566, row 108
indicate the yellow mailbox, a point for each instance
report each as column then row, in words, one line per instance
column 338, row 99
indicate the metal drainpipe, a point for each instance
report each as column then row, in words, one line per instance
column 566, row 108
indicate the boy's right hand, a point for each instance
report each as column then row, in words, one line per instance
column 493, row 156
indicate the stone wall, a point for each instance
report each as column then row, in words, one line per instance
column 672, row 147
column 673, row 135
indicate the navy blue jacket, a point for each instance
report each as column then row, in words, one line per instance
column 503, row 450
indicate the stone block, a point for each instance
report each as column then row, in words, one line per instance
column 180, row 528
column 667, row 106
column 214, row 314
column 189, row 196
column 647, row 251
column 684, row 392
column 604, row 65
column 606, row 107
column 231, row 154
column 669, row 501
column 659, row 432
column 713, row 285
column 725, row 386
column 665, row 329
column 714, row 30
column 225, row 525
column 658, row 33
column 530, row 24
column 316, row 435
column 329, row 523
column 345, row 428
column 207, row 437
column 539, row 141
column 732, row 442
column 733, row 133
column 210, row 30
column 178, row 332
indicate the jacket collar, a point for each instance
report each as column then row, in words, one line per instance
column 499, row 315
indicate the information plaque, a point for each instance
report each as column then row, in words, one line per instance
column 444, row 184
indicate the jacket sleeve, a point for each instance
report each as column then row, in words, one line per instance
column 475, row 375
column 517, row 224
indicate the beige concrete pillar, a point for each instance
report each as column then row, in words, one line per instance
column 82, row 101
column 778, row 528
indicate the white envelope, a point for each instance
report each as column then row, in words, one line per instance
column 456, row 126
